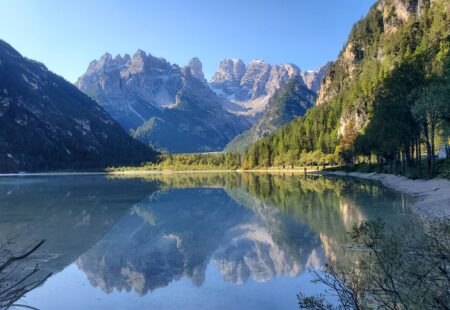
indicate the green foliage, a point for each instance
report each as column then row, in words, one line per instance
column 315, row 132
column 196, row 161
column 293, row 100
column 377, row 91
column 443, row 168
column 392, row 125
column 405, row 269
column 47, row 124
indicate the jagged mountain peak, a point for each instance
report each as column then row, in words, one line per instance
column 313, row 78
column 249, row 88
column 163, row 105
column 122, row 60
column 291, row 101
column 103, row 62
column 230, row 71
column 257, row 61
column 291, row 67
column 47, row 124
column 140, row 54
column 196, row 69
column 106, row 57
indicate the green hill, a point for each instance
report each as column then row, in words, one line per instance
column 292, row 101
column 379, row 96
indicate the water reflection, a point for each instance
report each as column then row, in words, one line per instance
column 176, row 233
column 249, row 225
column 70, row 213
column 140, row 234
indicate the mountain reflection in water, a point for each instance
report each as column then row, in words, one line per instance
column 141, row 234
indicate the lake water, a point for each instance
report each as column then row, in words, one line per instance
column 182, row 241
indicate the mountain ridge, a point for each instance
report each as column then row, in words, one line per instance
column 142, row 92
column 162, row 104
column 249, row 88
column 46, row 123
column 291, row 101
column 367, row 103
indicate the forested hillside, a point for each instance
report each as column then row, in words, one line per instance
column 292, row 101
column 386, row 95
column 46, row 123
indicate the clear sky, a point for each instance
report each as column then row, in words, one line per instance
column 66, row 35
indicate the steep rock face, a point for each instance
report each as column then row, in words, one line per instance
column 46, row 123
column 196, row 67
column 195, row 123
column 165, row 106
column 313, row 79
column 131, row 89
column 367, row 93
column 230, row 72
column 293, row 100
column 390, row 16
column 250, row 88
column 255, row 78
column 396, row 12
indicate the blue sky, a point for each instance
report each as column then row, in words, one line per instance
column 67, row 35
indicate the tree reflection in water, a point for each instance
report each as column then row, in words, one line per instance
column 249, row 226
column 19, row 274
column 141, row 234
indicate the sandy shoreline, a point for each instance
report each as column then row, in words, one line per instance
column 433, row 196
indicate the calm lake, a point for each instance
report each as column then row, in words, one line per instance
column 182, row 241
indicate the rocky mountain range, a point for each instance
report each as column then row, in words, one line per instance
column 291, row 101
column 248, row 89
column 313, row 79
column 166, row 106
column 196, row 122
column 176, row 109
column 131, row 89
column 46, row 123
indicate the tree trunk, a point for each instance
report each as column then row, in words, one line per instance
column 405, row 158
column 447, row 149
column 433, row 126
column 411, row 153
column 419, row 159
column 428, row 146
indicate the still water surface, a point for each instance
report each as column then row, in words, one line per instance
column 183, row 241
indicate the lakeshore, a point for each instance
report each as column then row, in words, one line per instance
column 432, row 196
